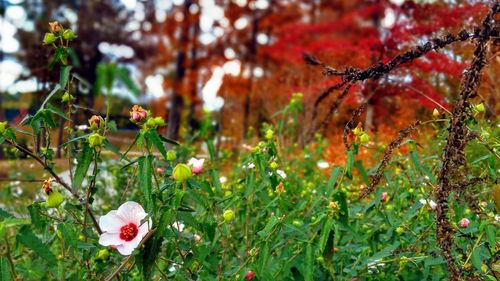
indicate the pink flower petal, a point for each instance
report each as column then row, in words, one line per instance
column 111, row 222
column 128, row 247
column 110, row 239
column 131, row 212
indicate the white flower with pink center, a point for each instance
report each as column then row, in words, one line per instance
column 196, row 165
column 123, row 229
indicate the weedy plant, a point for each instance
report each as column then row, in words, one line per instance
column 275, row 210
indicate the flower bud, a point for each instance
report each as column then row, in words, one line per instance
column 54, row 26
column 96, row 122
column 196, row 165
column 171, row 155
column 67, row 97
column 273, row 165
column 399, row 230
column 49, row 38
column 364, row 138
column 280, row 188
column 68, row 34
column 479, row 107
column 435, row 113
column 249, row 275
column 102, row 254
column 138, row 114
column 3, row 127
column 384, row 196
column 181, row 172
column 333, row 205
column 96, row 140
column 464, row 222
column 54, row 199
column 159, row 121
column 228, row 215
column 197, row 238
column 269, row 134
column 151, row 123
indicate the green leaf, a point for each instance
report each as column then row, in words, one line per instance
column 84, row 160
column 359, row 166
column 341, row 198
column 325, row 233
column 476, row 258
column 30, row 240
column 64, row 75
column 308, row 265
column 211, row 149
column 333, row 179
column 269, row 226
column 53, row 92
column 350, row 163
column 123, row 75
column 384, row 252
column 167, row 140
column 5, row 274
column 57, row 112
column 145, row 173
column 69, row 234
column 4, row 214
column 76, row 139
column 152, row 136
column 10, row 222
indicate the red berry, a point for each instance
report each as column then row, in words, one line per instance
column 250, row 275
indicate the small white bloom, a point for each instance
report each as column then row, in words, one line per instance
column 281, row 173
column 82, row 127
column 423, row 201
column 223, row 179
column 251, row 165
column 179, row 226
column 322, row 164
column 123, row 229
column 432, row 204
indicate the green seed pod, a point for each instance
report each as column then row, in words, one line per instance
column 68, row 34
column 54, row 199
column 229, row 215
column 96, row 140
column 171, row 155
column 159, row 121
column 49, row 38
column 182, row 172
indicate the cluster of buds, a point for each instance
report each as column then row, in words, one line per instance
column 140, row 116
column 54, row 197
column 269, row 134
column 67, row 97
column 96, row 124
column 360, row 134
column 57, row 32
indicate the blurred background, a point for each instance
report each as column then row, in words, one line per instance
column 236, row 63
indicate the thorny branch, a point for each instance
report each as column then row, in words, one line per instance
column 454, row 161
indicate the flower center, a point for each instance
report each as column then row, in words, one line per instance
column 128, row 232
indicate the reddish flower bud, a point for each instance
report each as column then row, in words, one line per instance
column 96, row 122
column 250, row 275
column 383, row 197
column 464, row 222
column 54, row 26
column 138, row 114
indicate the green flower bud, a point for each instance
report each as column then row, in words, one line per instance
column 357, row 131
column 400, row 230
column 159, row 121
column 364, row 138
column 54, row 199
column 151, row 123
column 102, row 254
column 3, row 127
column 181, row 172
column 67, row 97
column 68, row 34
column 96, row 140
column 228, row 215
column 171, row 155
column 297, row 223
column 49, row 38
column 435, row 113
column 269, row 134
column 273, row 165
column 479, row 107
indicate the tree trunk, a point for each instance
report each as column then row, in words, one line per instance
column 177, row 102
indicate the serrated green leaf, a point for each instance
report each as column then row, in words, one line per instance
column 269, row 227
column 153, row 136
column 30, row 240
column 5, row 274
column 64, row 75
column 325, row 233
column 350, row 163
column 145, row 173
column 84, row 159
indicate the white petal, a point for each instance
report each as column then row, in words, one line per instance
column 128, row 247
column 111, row 222
column 131, row 212
column 110, row 239
column 145, row 227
